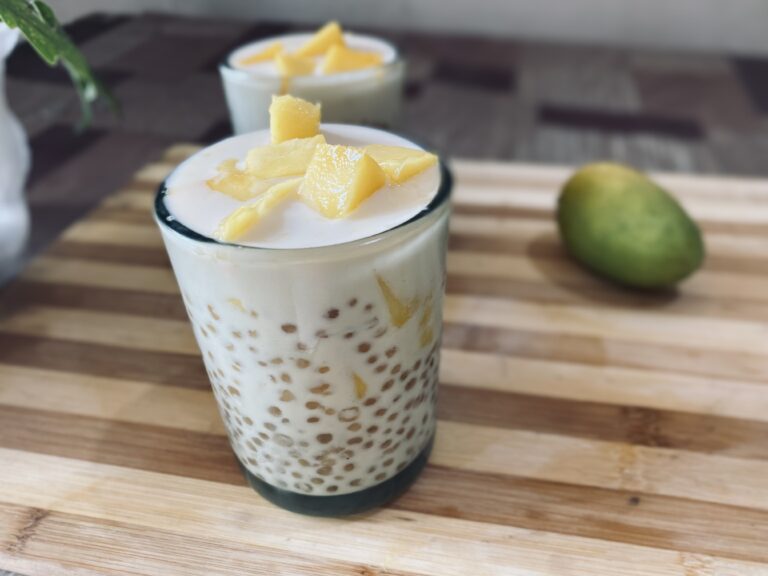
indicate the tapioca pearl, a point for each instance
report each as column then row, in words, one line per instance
column 323, row 369
column 322, row 334
column 276, row 361
column 323, row 389
column 262, row 363
column 363, row 347
column 304, row 463
column 406, row 419
column 386, row 444
column 272, row 379
column 282, row 484
column 287, row 396
column 253, row 334
column 324, row 438
column 409, row 404
column 392, row 448
column 368, row 445
column 248, row 420
column 324, row 471
column 303, row 487
column 380, row 332
column 348, row 453
column 391, row 352
column 349, row 414
column 349, row 467
column 303, row 443
column 312, row 405
column 268, row 457
column 332, row 489
column 302, row 346
column 251, row 446
column 387, row 432
column 258, row 441
column 370, row 401
column 349, row 335
column 387, row 385
column 232, row 391
column 411, row 383
column 313, row 420
column 203, row 331
column 283, row 440
column 296, row 474
column 404, row 375
column 354, row 427
column 211, row 328
column 252, row 461
column 400, row 431
column 368, row 307
column 332, row 313
column 371, row 469
column 416, row 365
column 286, row 378
column 395, row 369
column 330, row 411
column 412, row 429
column 380, row 412
column 381, row 368
column 339, row 477
column 237, row 334
column 372, row 429
column 356, row 482
column 328, row 462
column 401, row 466
column 275, row 411
column 372, row 359
column 269, row 426
column 288, row 328
column 355, row 440
column 317, row 480
column 211, row 356
column 302, row 363
column 396, row 399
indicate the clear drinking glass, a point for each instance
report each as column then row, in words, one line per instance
column 371, row 97
column 324, row 361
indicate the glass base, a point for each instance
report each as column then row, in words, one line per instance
column 343, row 504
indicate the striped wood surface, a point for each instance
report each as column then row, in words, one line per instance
column 583, row 429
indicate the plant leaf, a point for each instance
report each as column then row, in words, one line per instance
column 36, row 20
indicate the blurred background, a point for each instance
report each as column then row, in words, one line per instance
column 678, row 85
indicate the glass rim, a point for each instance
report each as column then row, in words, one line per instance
column 165, row 219
column 309, row 80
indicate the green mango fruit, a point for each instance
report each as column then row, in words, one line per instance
column 623, row 226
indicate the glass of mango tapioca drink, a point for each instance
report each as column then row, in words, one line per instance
column 358, row 79
column 311, row 260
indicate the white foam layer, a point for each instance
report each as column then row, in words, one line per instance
column 291, row 42
column 294, row 224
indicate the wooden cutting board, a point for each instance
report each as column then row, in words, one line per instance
column 583, row 429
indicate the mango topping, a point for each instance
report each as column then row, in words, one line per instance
column 343, row 59
column 339, row 178
column 239, row 184
column 244, row 218
column 293, row 65
column 327, row 36
column 399, row 163
column 399, row 311
column 360, row 386
column 289, row 158
column 267, row 54
column 291, row 117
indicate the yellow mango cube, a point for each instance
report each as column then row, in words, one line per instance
column 400, row 311
column 343, row 59
column 265, row 55
column 237, row 224
column 399, row 163
column 289, row 158
column 291, row 117
column 339, row 178
column 292, row 65
column 329, row 35
column 239, row 184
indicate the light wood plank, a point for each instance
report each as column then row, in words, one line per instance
column 114, row 233
column 390, row 539
column 605, row 384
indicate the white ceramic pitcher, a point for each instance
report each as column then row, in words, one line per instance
column 14, row 165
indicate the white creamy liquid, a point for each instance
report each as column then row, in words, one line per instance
column 294, row 224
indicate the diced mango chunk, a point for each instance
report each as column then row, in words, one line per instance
column 291, row 117
column 267, row 54
column 360, row 386
column 289, row 158
column 343, row 59
column 237, row 224
column 293, row 65
column 339, row 178
column 327, row 36
column 400, row 311
column 239, row 184
column 399, row 163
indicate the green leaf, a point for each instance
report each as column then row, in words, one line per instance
column 36, row 20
